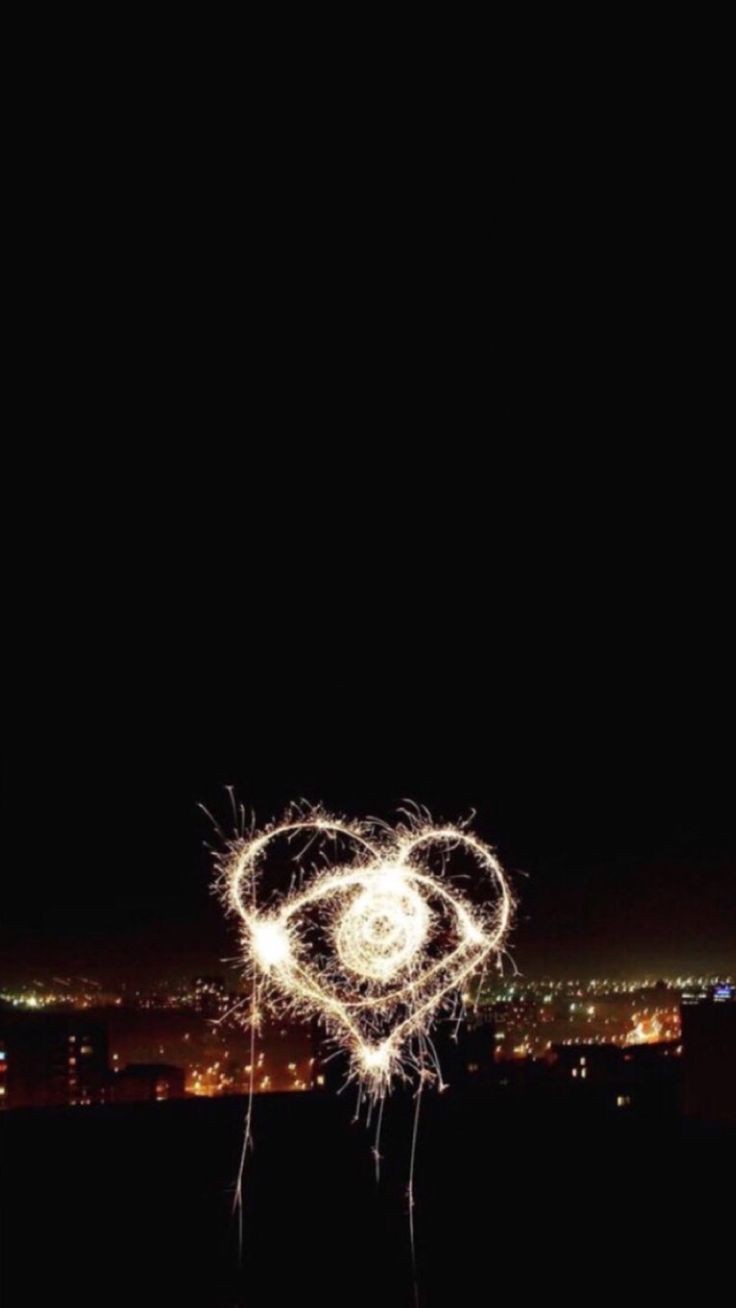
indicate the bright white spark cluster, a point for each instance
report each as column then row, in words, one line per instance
column 375, row 943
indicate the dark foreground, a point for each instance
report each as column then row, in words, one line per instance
column 535, row 1200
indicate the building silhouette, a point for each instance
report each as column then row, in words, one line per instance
column 52, row 1059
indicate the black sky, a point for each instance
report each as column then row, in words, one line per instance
column 597, row 764
column 475, row 559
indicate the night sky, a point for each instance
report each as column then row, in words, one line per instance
column 363, row 456
column 605, row 795
column 502, row 595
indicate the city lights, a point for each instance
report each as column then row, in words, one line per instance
column 197, row 1026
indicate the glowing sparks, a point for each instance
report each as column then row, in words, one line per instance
column 270, row 943
column 379, row 935
column 376, row 1063
column 376, row 945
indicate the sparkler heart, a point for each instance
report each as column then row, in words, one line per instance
column 375, row 947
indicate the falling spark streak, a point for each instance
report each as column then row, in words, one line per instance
column 248, row 1133
column 377, row 1141
column 415, row 1130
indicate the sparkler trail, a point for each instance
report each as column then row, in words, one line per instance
column 374, row 947
column 374, row 943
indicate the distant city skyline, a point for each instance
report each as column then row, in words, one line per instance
column 73, row 1043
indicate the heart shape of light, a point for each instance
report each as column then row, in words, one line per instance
column 373, row 947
